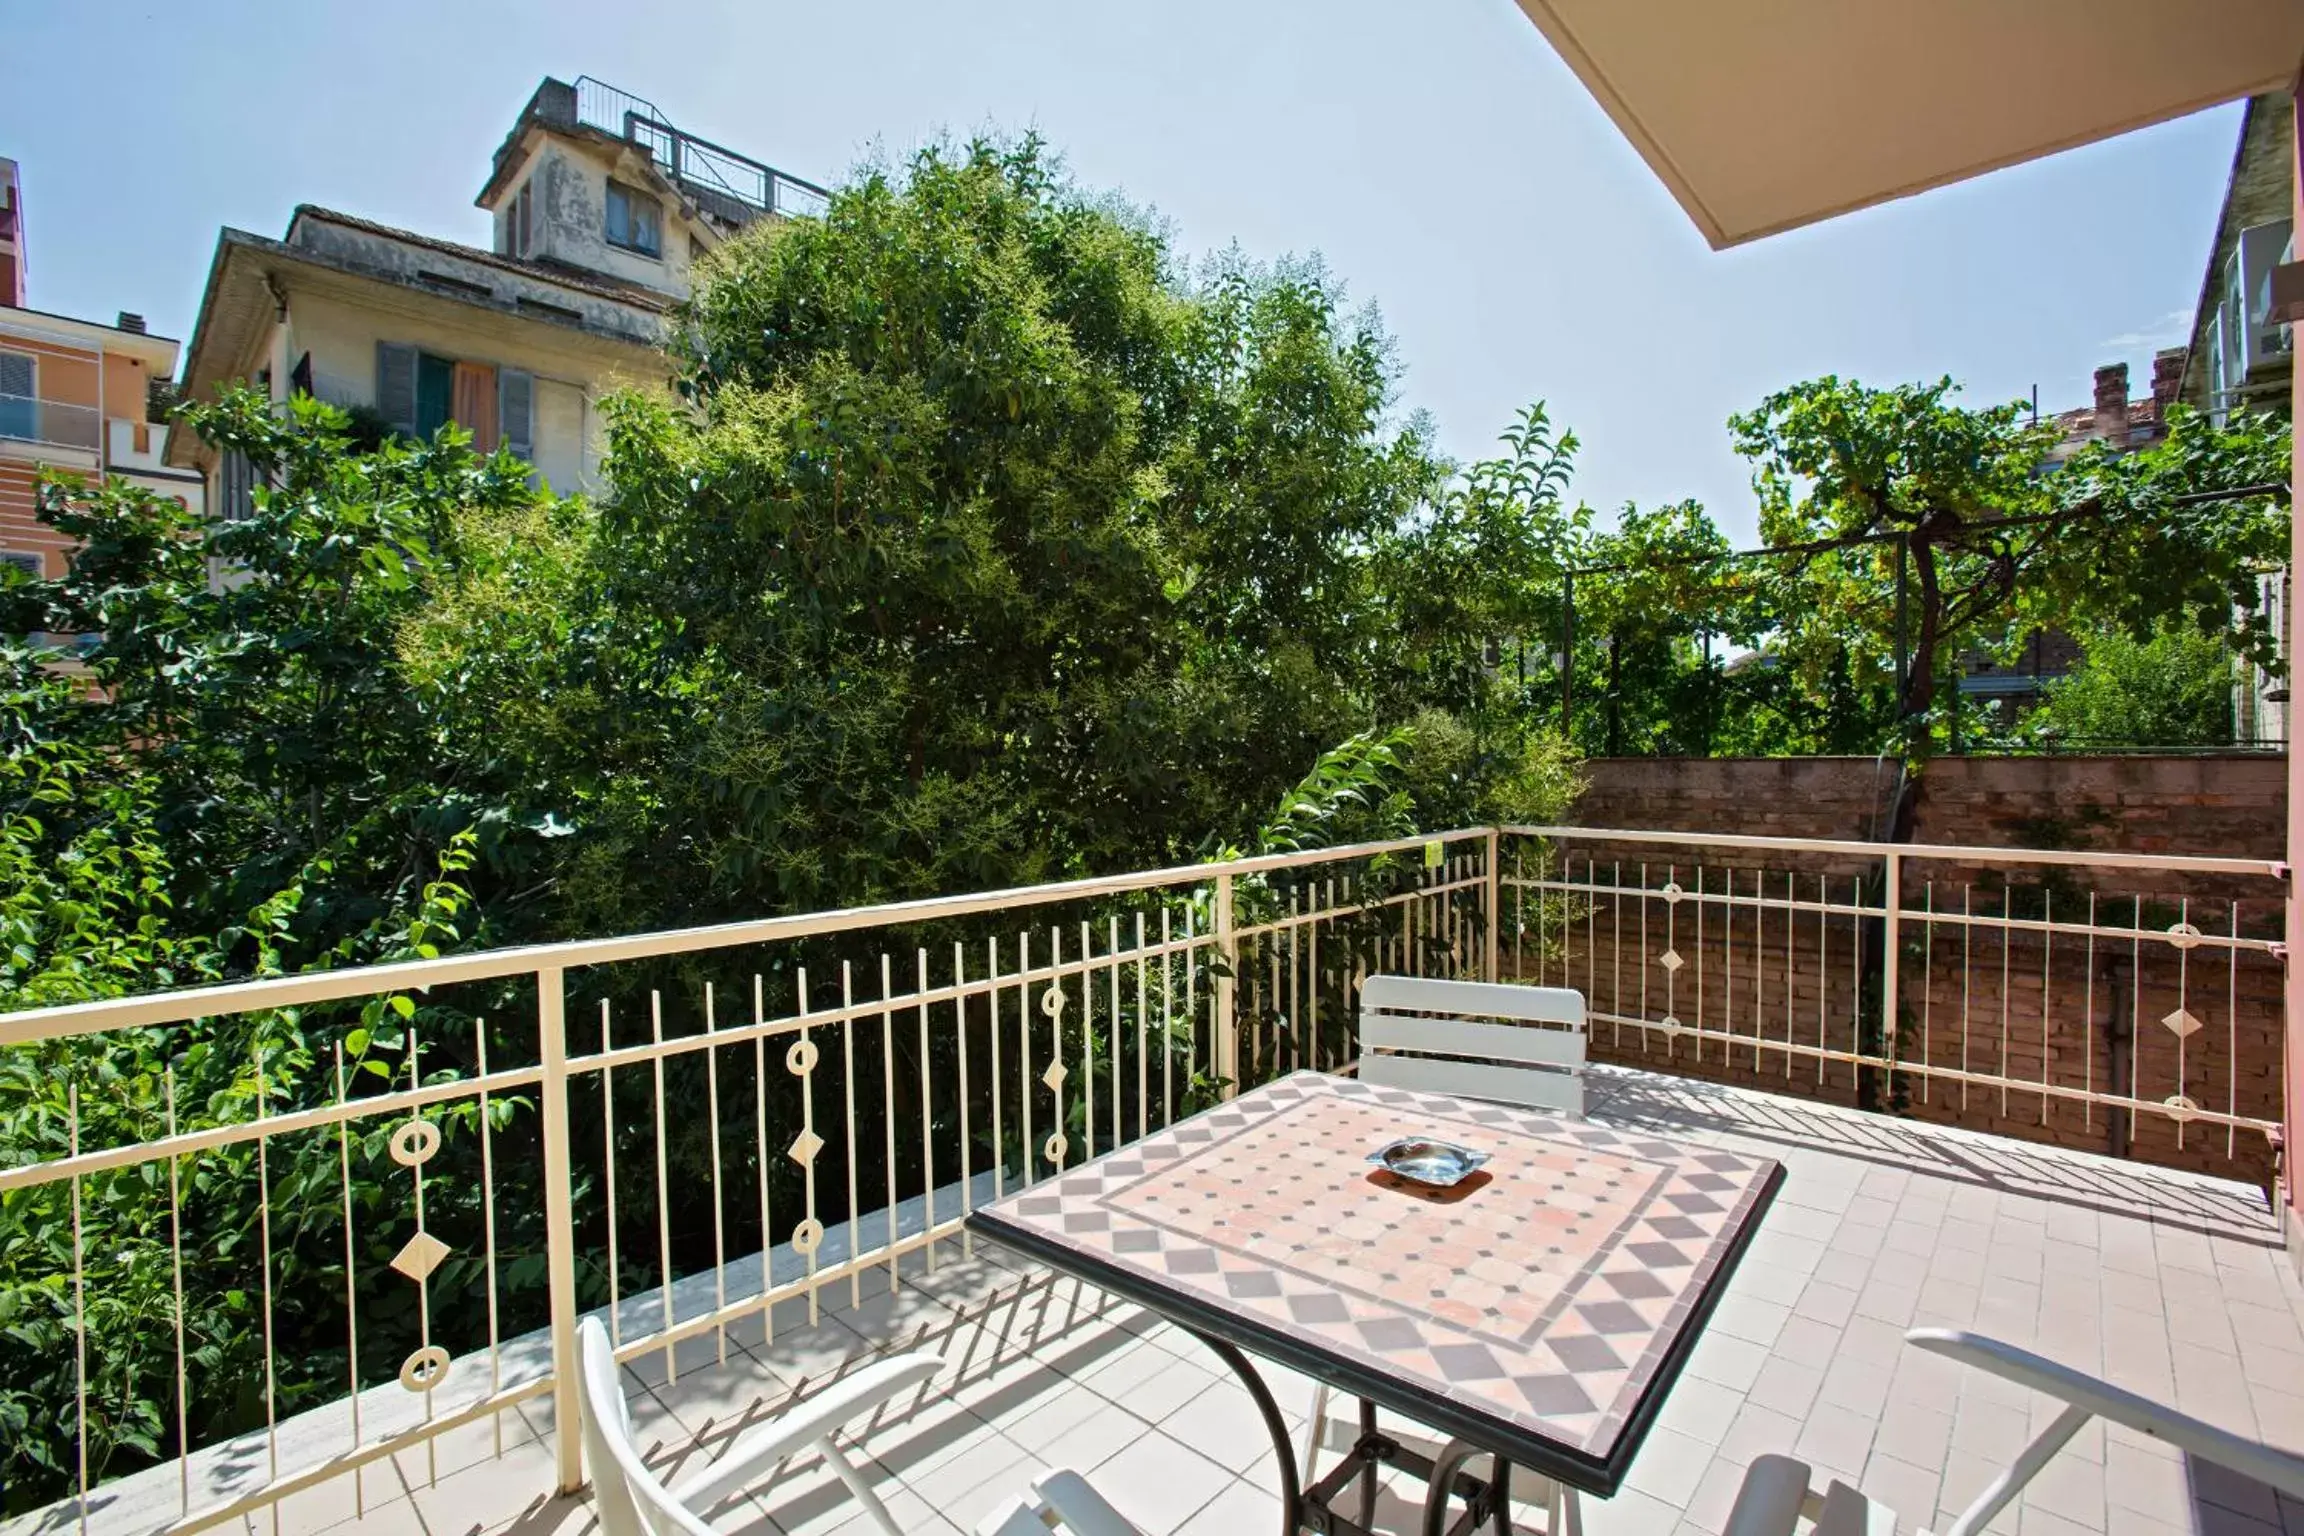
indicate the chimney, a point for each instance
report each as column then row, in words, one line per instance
column 2112, row 402
column 2167, row 377
column 131, row 322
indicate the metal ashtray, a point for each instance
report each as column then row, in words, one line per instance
column 1425, row 1161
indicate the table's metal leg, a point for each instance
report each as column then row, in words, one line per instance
column 1291, row 1489
column 1501, row 1492
column 1445, row 1466
column 1368, row 1472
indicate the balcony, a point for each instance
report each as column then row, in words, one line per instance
column 51, row 423
column 2027, row 1092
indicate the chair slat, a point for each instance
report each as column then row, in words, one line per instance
column 1531, row 1087
column 1420, row 994
column 1470, row 1037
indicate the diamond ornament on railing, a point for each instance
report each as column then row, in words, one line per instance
column 804, row 1148
column 1054, row 1077
column 1671, row 961
column 419, row 1256
column 2183, row 1024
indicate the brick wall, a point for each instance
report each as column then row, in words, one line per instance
column 1980, row 992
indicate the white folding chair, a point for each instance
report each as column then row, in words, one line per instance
column 1475, row 1040
column 1775, row 1494
column 632, row 1502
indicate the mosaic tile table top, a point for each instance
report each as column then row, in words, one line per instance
column 1539, row 1309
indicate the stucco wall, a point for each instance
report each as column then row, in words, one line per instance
column 570, row 221
column 342, row 337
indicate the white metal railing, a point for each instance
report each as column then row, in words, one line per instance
column 320, row 1219
column 269, row 1201
column 32, row 420
column 2120, row 1002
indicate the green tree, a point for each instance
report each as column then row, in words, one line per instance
column 1993, row 544
column 2173, row 689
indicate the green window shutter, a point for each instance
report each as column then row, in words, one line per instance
column 516, row 412
column 435, row 394
column 396, row 386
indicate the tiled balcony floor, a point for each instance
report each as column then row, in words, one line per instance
column 2172, row 1286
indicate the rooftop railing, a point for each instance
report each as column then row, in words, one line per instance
column 719, row 176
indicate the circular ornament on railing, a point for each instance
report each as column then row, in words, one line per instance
column 2181, row 1109
column 414, row 1143
column 1672, row 892
column 1671, row 1024
column 2183, row 935
column 800, row 1059
column 425, row 1369
column 808, row 1237
column 1056, row 1147
column 1052, row 1001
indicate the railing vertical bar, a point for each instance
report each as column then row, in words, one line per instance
column 2183, row 1005
column 1226, row 1046
column 719, row 1201
column 176, row 1265
column 1699, row 965
column 1927, row 989
column 1823, row 970
column 2088, row 1026
column 848, row 1132
column 1057, row 1121
column 1087, row 1042
column 1024, row 1072
column 1643, row 950
column 888, row 1106
column 2047, row 955
column 999, row 1086
column 1892, row 963
column 1112, row 1012
column 2007, row 1004
column 927, row 1112
column 487, row 1224
column 1967, row 981
column 1759, row 963
column 809, row 1219
column 760, row 1154
column 608, row 1143
column 663, row 1192
column 80, row 1293
column 264, row 1257
column 967, row 1128
column 1168, row 1010
column 1791, row 983
column 2232, row 1033
column 1493, row 907
column 1143, row 1031
column 423, row 1282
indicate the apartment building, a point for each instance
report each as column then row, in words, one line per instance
column 600, row 207
column 75, row 398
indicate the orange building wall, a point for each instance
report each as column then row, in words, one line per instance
column 19, row 529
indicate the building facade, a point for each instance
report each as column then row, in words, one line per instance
column 600, row 209
column 75, row 398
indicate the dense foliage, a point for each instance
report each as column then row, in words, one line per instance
column 979, row 544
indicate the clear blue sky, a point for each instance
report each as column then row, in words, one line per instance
column 1437, row 155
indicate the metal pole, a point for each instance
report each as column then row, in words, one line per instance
column 1903, row 645
column 1227, row 1018
column 559, row 1223
column 1568, row 657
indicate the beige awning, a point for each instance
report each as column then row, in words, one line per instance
column 1763, row 115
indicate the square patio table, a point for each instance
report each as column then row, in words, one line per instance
column 1539, row 1311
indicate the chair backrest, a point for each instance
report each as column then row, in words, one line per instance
column 1474, row 1039
column 629, row 1499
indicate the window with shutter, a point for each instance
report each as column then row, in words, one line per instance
column 475, row 406
column 516, row 412
column 235, row 486
column 23, row 560
column 635, row 220
column 435, row 394
column 396, row 386
column 19, row 411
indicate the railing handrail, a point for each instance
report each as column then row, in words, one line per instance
column 148, row 1009
column 1943, row 853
